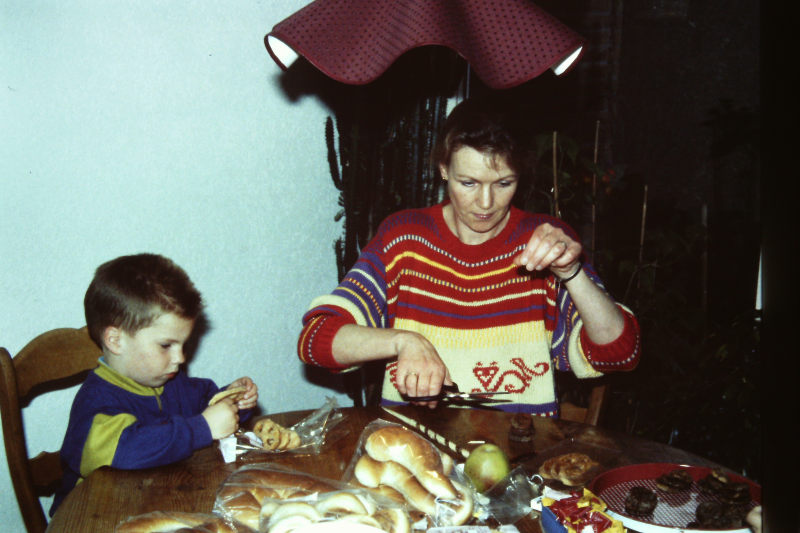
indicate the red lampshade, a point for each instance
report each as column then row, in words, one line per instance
column 507, row 42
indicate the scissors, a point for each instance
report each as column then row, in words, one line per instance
column 451, row 392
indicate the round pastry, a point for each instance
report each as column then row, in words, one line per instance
column 269, row 432
column 715, row 515
column 640, row 502
column 572, row 469
column 736, row 493
column 339, row 503
column 675, row 481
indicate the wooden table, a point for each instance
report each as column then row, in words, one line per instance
column 110, row 495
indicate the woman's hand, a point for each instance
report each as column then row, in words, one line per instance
column 250, row 397
column 420, row 370
column 549, row 247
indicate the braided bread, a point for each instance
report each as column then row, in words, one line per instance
column 377, row 474
column 402, row 446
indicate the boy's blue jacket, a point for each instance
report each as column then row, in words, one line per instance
column 118, row 422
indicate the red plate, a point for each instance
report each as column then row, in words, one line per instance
column 674, row 510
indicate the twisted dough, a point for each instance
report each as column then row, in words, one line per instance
column 374, row 474
column 398, row 444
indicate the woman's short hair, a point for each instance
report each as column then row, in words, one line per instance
column 486, row 126
column 132, row 291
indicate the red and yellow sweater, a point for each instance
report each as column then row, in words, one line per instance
column 495, row 326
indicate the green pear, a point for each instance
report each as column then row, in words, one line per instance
column 486, row 465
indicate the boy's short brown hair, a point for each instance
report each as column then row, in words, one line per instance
column 132, row 291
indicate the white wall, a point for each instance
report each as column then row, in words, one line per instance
column 145, row 125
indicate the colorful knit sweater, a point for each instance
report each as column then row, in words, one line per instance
column 495, row 326
column 116, row 421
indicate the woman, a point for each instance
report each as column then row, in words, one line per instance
column 473, row 290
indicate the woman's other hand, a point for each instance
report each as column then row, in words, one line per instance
column 549, row 247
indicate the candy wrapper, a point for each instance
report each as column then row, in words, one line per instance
column 309, row 436
column 405, row 466
column 578, row 513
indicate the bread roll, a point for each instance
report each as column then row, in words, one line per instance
column 268, row 508
column 294, row 509
column 393, row 520
column 289, row 523
column 240, row 505
column 360, row 519
column 341, row 503
column 403, row 446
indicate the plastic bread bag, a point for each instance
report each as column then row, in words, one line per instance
column 309, row 436
column 271, row 498
column 510, row 499
column 404, row 465
column 159, row 521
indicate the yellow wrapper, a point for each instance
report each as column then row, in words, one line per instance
column 597, row 506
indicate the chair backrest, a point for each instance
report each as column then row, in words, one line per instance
column 593, row 413
column 54, row 360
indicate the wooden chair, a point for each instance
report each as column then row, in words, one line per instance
column 593, row 413
column 54, row 360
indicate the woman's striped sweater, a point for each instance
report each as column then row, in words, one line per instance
column 495, row 326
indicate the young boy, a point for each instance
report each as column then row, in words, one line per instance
column 137, row 409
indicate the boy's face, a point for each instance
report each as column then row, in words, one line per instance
column 150, row 356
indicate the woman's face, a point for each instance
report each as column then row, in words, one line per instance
column 480, row 188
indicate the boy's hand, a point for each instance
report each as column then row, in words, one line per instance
column 222, row 418
column 248, row 401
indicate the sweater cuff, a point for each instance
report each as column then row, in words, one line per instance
column 315, row 346
column 619, row 354
column 200, row 432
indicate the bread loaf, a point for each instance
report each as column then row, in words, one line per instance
column 403, row 446
column 158, row 522
column 283, row 483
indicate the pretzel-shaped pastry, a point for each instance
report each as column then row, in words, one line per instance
column 274, row 436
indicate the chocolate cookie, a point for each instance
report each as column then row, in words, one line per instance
column 640, row 501
column 675, row 481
